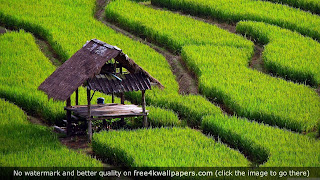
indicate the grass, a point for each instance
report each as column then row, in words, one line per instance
column 23, row 68
column 157, row 117
column 287, row 53
column 273, row 146
column 165, row 147
column 308, row 5
column 173, row 31
column 28, row 145
column 294, row 19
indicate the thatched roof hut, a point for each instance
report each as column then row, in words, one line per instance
column 99, row 67
column 89, row 64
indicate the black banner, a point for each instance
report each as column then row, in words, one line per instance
column 293, row 173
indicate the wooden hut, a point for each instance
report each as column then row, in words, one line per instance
column 99, row 67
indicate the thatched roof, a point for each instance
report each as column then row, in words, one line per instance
column 84, row 65
column 108, row 83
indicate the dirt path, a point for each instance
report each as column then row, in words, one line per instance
column 2, row 30
column 256, row 61
column 48, row 51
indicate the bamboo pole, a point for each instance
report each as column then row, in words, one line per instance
column 120, row 69
column 122, row 97
column 122, row 122
column 77, row 96
column 69, row 128
column 145, row 120
column 89, row 116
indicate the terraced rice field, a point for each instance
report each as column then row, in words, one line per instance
column 268, row 118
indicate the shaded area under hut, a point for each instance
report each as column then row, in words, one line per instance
column 99, row 67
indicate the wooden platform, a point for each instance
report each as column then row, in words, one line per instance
column 107, row 111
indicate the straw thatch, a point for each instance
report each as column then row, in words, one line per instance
column 85, row 64
column 108, row 83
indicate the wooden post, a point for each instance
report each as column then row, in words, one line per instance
column 112, row 97
column 122, row 123
column 120, row 67
column 145, row 120
column 104, row 124
column 122, row 97
column 89, row 116
column 77, row 96
column 69, row 127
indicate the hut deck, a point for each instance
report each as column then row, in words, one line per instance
column 107, row 111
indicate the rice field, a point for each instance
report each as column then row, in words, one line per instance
column 65, row 42
column 27, row 145
column 271, row 115
column 24, row 68
column 283, row 148
column 253, row 95
column 294, row 19
column 287, row 54
column 307, row 5
column 165, row 147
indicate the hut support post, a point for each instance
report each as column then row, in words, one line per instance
column 120, row 69
column 89, row 116
column 77, row 96
column 145, row 121
column 122, row 123
column 104, row 124
column 122, row 97
column 68, row 104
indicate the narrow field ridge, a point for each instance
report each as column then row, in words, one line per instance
column 48, row 51
column 256, row 61
column 2, row 30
